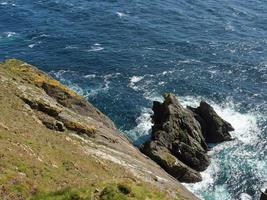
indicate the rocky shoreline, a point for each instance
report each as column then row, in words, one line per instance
column 57, row 145
column 180, row 137
column 56, row 129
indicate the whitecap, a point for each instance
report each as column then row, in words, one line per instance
column 120, row 14
column 189, row 61
column 9, row 34
column 31, row 45
column 134, row 80
column 71, row 47
column 95, row 49
column 40, row 36
column 90, row 76
column 34, row 44
column 229, row 27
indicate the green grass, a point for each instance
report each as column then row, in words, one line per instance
column 111, row 191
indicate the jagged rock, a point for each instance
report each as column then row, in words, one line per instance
column 177, row 143
column 179, row 136
column 170, row 163
column 214, row 128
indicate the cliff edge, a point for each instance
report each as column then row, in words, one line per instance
column 56, row 145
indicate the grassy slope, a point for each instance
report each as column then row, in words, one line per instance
column 39, row 163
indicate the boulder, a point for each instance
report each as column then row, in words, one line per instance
column 177, row 143
column 213, row 127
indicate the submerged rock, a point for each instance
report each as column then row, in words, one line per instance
column 179, row 136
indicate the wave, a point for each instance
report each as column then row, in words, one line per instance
column 237, row 153
column 7, row 3
column 120, row 14
column 96, row 47
column 134, row 80
column 34, row 44
column 8, row 34
column 143, row 127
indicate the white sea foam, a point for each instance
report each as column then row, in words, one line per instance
column 144, row 125
column 134, row 80
column 245, row 196
column 246, row 133
column 103, row 87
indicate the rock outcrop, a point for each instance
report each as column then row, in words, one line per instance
column 51, row 138
column 180, row 135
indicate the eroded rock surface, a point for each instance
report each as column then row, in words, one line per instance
column 180, row 135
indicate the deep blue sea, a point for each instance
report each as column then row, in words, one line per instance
column 122, row 55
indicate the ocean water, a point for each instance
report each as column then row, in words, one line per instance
column 123, row 55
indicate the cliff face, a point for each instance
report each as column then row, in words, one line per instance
column 55, row 144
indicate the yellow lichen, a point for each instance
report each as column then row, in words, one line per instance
column 88, row 130
column 33, row 75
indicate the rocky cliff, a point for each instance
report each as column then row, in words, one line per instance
column 180, row 135
column 56, row 145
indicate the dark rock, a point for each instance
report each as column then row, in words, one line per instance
column 177, row 143
column 51, row 122
column 59, row 126
column 179, row 136
column 190, row 156
column 264, row 195
column 213, row 127
column 75, row 103
column 170, row 163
